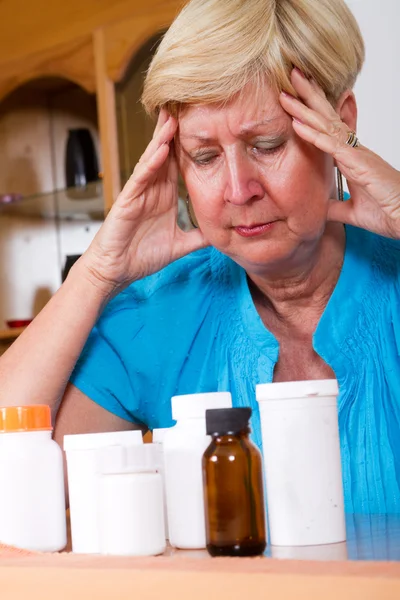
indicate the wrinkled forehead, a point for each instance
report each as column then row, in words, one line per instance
column 254, row 105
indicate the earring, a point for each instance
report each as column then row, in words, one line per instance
column 340, row 184
column 192, row 217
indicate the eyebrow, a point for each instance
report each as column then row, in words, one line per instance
column 245, row 130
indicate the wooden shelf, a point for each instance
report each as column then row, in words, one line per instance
column 8, row 335
column 68, row 204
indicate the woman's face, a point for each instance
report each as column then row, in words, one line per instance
column 260, row 193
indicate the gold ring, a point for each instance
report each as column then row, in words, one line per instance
column 352, row 140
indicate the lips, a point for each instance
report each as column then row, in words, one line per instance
column 255, row 229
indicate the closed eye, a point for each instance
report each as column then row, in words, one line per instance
column 265, row 150
column 261, row 148
column 203, row 160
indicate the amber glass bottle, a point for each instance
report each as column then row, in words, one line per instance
column 233, row 486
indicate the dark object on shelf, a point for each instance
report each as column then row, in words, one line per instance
column 69, row 261
column 14, row 323
column 81, row 164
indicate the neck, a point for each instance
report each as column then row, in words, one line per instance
column 305, row 282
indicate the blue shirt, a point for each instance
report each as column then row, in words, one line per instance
column 193, row 327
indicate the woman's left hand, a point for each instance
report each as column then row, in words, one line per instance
column 374, row 185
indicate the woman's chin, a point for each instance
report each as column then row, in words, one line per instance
column 263, row 255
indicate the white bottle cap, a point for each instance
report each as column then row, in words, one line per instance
column 142, row 458
column 297, row 389
column 159, row 435
column 91, row 441
column 194, row 406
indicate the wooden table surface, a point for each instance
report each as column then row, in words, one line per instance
column 365, row 567
column 369, row 538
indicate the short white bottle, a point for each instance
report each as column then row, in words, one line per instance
column 184, row 446
column 130, row 504
column 87, row 456
column 32, row 500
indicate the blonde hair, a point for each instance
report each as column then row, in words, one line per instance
column 214, row 48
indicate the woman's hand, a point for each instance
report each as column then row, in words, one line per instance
column 373, row 184
column 140, row 234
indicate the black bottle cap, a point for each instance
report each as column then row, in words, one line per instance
column 227, row 420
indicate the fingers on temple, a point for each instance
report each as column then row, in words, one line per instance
column 145, row 171
column 163, row 117
column 333, row 127
column 312, row 94
column 336, row 146
column 173, row 170
column 164, row 135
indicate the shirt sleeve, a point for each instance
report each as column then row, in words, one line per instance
column 149, row 342
column 100, row 374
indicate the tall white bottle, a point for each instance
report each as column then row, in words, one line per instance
column 184, row 446
column 303, row 472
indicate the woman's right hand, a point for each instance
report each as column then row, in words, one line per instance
column 140, row 234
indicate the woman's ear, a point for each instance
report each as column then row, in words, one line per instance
column 346, row 108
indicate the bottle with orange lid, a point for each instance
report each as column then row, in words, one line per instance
column 32, row 501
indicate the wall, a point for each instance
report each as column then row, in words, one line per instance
column 378, row 88
column 135, row 128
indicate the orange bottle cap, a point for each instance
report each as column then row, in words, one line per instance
column 36, row 417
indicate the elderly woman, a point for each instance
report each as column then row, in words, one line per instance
column 281, row 280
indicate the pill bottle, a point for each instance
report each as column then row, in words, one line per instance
column 184, row 447
column 233, row 486
column 32, row 499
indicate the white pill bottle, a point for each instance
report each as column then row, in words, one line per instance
column 184, row 446
column 88, row 454
column 303, row 471
column 32, row 501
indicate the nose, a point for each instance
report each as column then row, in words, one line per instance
column 242, row 180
